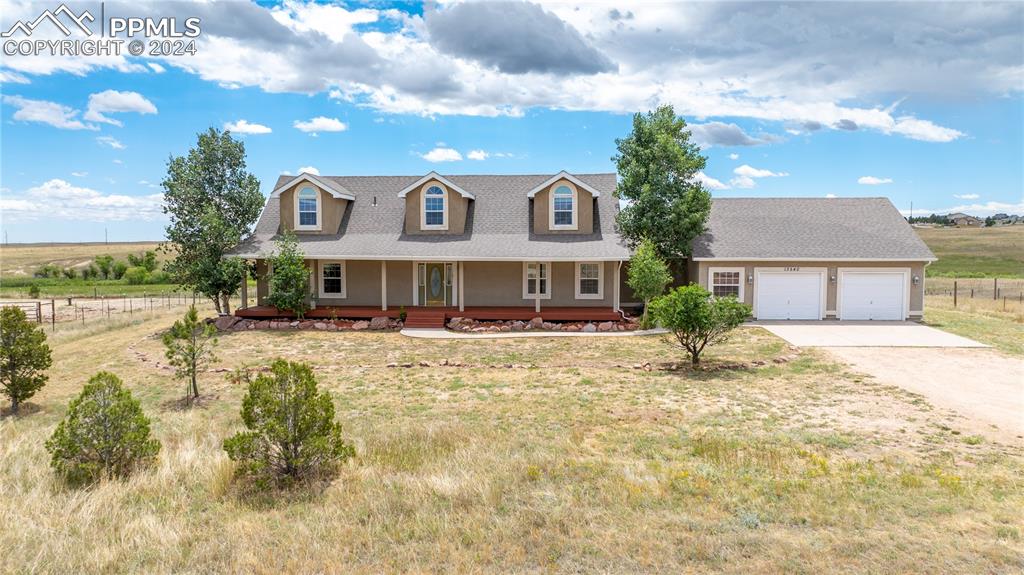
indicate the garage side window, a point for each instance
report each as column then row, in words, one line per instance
column 727, row 282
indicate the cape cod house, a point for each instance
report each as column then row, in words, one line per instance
column 521, row 246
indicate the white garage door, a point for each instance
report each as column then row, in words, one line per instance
column 871, row 295
column 788, row 295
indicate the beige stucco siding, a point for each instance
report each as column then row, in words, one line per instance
column 916, row 269
column 332, row 210
column 542, row 209
column 399, row 284
column 501, row 284
column 456, row 205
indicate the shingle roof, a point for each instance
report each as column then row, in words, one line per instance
column 808, row 228
column 499, row 223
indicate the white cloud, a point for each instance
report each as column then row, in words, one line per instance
column 734, row 156
column 976, row 209
column 751, row 172
column 118, row 162
column 873, row 181
column 742, row 182
column 966, row 196
column 709, row 182
column 309, row 170
column 156, row 67
column 830, row 195
column 111, row 142
column 58, row 199
column 52, row 113
column 442, row 155
column 244, row 127
column 79, row 174
column 477, row 155
column 112, row 101
column 321, row 124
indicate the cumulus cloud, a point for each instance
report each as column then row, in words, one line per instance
column 309, row 170
column 513, row 37
column 58, row 199
column 79, row 174
column 830, row 195
column 321, row 124
column 873, row 181
column 722, row 134
column 246, row 127
column 747, row 175
column 111, row 142
column 709, row 182
column 734, row 156
column 156, row 67
column 442, row 154
column 846, row 124
column 50, row 113
column 966, row 196
column 112, row 101
column 477, row 155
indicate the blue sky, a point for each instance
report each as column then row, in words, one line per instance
column 811, row 100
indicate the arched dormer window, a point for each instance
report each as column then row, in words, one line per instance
column 434, row 214
column 307, row 209
column 563, row 207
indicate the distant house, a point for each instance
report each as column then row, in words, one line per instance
column 1007, row 219
column 965, row 221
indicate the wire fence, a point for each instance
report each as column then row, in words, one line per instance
column 82, row 310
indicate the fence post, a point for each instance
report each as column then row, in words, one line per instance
column 130, row 311
column 53, row 316
column 1004, row 303
column 39, row 312
column 995, row 288
column 954, row 294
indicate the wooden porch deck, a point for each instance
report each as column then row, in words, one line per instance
column 523, row 313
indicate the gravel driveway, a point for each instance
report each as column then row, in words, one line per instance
column 983, row 386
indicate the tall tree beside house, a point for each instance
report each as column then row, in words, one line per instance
column 189, row 348
column 24, row 356
column 648, row 275
column 289, row 280
column 212, row 202
column 657, row 165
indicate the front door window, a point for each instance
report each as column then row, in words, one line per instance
column 435, row 283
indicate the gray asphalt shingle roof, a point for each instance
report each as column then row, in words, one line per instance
column 808, row 228
column 498, row 223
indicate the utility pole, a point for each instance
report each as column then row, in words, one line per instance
column 107, row 242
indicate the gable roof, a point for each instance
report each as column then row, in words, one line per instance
column 808, row 229
column 499, row 223
column 438, row 177
column 333, row 188
column 563, row 175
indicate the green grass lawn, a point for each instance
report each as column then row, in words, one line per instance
column 976, row 252
column 570, row 461
column 982, row 320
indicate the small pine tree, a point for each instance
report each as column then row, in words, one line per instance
column 648, row 275
column 104, row 434
column 290, row 429
column 697, row 319
column 24, row 356
column 189, row 345
column 289, row 282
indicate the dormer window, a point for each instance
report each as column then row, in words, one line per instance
column 435, row 208
column 563, row 207
column 307, row 209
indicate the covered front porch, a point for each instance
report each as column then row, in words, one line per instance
column 429, row 316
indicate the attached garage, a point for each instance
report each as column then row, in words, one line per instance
column 795, row 294
column 873, row 294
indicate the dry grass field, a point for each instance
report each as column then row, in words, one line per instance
column 21, row 260
column 976, row 252
column 537, row 455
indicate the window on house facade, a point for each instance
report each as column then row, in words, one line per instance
column 434, row 212
column 536, row 280
column 563, row 207
column 308, row 209
column 588, row 280
column 727, row 282
column 332, row 279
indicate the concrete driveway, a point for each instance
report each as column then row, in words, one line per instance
column 984, row 387
column 864, row 334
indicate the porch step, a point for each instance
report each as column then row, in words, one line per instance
column 424, row 318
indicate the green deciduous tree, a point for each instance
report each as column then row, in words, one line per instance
column 105, row 264
column 658, row 165
column 118, row 269
column 189, row 348
column 24, row 356
column 697, row 319
column 289, row 281
column 647, row 275
column 290, row 429
column 104, row 434
column 212, row 202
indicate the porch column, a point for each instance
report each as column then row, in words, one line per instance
column 616, row 304
column 462, row 291
column 384, row 285
column 245, row 288
column 536, row 287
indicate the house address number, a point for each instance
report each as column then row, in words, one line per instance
column 792, row 269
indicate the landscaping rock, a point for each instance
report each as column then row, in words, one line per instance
column 426, row 363
column 455, row 322
column 517, row 326
column 605, row 326
column 294, row 324
column 571, row 327
column 360, row 325
column 537, row 322
column 392, row 364
column 379, row 322
column 590, row 328
column 319, row 325
column 225, row 322
column 332, row 327
column 263, row 324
